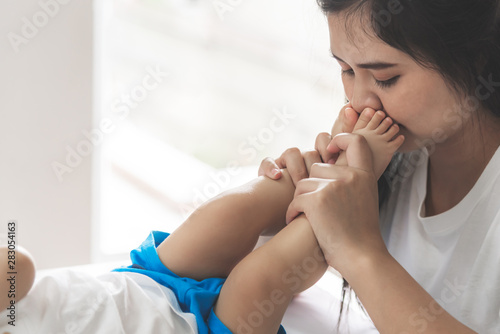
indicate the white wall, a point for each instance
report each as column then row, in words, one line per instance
column 45, row 104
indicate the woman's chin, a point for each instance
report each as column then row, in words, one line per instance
column 409, row 145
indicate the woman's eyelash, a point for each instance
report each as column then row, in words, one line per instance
column 387, row 83
column 348, row 72
column 381, row 84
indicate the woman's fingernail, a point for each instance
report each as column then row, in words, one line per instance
column 331, row 162
column 276, row 172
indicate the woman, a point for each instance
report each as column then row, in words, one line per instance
column 434, row 68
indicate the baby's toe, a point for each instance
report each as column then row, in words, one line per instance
column 384, row 125
column 364, row 118
column 392, row 131
column 397, row 142
column 376, row 119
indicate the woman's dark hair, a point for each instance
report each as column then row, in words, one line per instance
column 460, row 39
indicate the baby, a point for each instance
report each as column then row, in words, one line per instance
column 210, row 263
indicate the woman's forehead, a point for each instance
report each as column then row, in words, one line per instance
column 353, row 40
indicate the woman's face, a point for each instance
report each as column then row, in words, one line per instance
column 381, row 77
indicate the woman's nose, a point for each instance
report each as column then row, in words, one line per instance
column 363, row 97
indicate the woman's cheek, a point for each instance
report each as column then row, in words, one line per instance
column 392, row 113
column 399, row 106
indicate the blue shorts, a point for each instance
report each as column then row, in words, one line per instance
column 196, row 297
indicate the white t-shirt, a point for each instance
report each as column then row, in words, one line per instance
column 455, row 256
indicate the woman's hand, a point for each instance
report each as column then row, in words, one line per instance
column 296, row 162
column 341, row 204
column 299, row 163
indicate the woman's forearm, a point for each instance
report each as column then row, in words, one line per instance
column 395, row 301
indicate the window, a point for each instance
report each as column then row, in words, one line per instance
column 198, row 93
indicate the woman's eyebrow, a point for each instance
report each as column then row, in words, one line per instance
column 370, row 66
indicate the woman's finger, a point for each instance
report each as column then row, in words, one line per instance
column 330, row 172
column 307, row 186
column 358, row 153
column 293, row 161
column 345, row 120
column 322, row 141
column 303, row 190
column 349, row 120
column 295, row 208
column 311, row 158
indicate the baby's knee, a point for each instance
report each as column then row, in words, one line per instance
column 16, row 276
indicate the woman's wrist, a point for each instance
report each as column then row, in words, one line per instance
column 364, row 263
column 392, row 297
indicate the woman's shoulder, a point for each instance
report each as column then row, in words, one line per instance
column 487, row 187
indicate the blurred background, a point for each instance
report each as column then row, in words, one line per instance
column 120, row 117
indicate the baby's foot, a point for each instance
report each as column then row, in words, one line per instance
column 380, row 133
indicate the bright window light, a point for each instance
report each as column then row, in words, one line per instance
column 199, row 92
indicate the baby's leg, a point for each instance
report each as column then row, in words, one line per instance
column 257, row 292
column 225, row 229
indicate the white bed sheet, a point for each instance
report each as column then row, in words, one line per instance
column 89, row 299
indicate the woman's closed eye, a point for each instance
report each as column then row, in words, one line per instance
column 381, row 83
column 387, row 83
column 348, row 72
